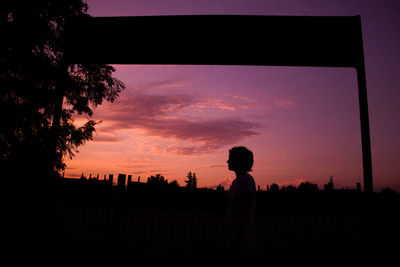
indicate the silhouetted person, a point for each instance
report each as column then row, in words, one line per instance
column 241, row 204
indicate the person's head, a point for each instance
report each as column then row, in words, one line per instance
column 240, row 159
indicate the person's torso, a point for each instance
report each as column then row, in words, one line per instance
column 241, row 185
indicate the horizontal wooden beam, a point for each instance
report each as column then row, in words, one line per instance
column 215, row 40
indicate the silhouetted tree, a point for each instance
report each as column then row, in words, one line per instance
column 289, row 188
column 174, row 183
column 307, row 187
column 157, row 180
column 194, row 180
column 40, row 92
column 191, row 182
column 220, row 188
column 329, row 186
column 388, row 192
column 274, row 187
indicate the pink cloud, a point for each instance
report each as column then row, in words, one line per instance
column 161, row 84
column 217, row 166
column 226, row 183
column 208, row 132
column 216, row 103
column 144, row 106
column 245, row 98
column 155, row 114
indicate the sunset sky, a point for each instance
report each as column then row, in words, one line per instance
column 301, row 123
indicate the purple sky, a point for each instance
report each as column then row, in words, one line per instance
column 302, row 123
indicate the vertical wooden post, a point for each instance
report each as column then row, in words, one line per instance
column 364, row 118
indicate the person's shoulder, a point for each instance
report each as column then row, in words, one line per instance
column 249, row 181
column 249, row 177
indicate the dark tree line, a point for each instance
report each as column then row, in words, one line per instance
column 158, row 179
column 302, row 187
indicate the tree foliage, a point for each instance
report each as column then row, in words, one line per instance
column 174, row 183
column 191, row 181
column 307, row 187
column 158, row 179
column 274, row 187
column 39, row 92
column 220, row 188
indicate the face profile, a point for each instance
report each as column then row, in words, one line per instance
column 230, row 164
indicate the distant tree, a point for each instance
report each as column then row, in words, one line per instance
column 157, row 180
column 40, row 92
column 274, row 187
column 174, row 183
column 289, row 188
column 191, row 181
column 220, row 188
column 194, row 180
column 329, row 186
column 307, row 187
column 388, row 192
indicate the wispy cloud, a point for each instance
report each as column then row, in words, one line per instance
column 205, row 136
column 74, row 175
column 109, row 138
column 218, row 166
column 160, row 84
column 216, row 103
column 284, row 103
column 156, row 114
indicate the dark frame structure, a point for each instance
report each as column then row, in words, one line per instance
column 227, row 40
